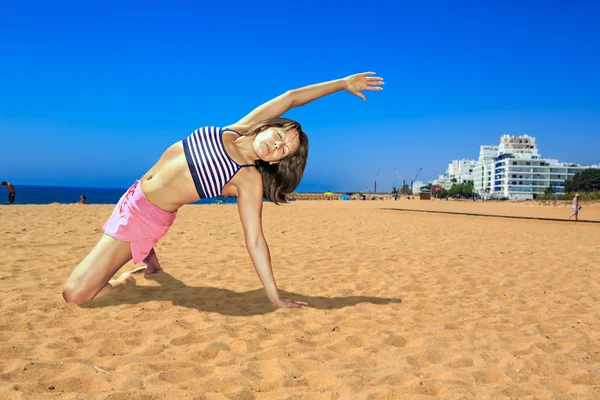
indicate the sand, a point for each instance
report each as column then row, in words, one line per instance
column 404, row 305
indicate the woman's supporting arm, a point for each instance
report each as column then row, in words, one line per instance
column 250, row 200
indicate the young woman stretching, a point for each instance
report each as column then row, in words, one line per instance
column 259, row 156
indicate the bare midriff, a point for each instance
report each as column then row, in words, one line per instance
column 168, row 184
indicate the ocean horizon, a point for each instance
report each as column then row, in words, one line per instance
column 38, row 194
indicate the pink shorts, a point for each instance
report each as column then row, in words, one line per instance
column 139, row 222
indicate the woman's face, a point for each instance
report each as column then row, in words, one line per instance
column 274, row 144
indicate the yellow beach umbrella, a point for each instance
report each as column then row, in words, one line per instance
column 328, row 193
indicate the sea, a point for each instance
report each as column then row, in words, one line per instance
column 68, row 195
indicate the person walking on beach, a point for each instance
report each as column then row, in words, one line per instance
column 83, row 200
column 11, row 191
column 260, row 155
column 575, row 206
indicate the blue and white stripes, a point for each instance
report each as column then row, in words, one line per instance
column 210, row 165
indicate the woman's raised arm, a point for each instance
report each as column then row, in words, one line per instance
column 298, row 97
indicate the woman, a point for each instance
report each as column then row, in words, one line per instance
column 260, row 155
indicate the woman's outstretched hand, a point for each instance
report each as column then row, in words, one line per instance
column 287, row 303
column 356, row 83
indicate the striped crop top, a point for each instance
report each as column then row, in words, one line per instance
column 210, row 165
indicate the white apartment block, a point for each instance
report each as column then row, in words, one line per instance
column 516, row 170
column 483, row 173
column 458, row 171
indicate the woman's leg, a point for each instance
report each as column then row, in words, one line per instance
column 92, row 277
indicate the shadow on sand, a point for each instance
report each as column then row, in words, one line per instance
column 222, row 301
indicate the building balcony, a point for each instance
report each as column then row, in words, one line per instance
column 514, row 164
column 512, row 189
column 535, row 178
column 530, row 177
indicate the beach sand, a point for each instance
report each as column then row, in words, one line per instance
column 404, row 305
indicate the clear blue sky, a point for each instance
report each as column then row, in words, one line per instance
column 92, row 93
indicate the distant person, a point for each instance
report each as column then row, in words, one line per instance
column 83, row 200
column 576, row 207
column 11, row 191
column 260, row 155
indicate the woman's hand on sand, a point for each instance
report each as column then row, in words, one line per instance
column 356, row 83
column 287, row 303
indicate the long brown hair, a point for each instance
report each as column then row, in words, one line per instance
column 284, row 177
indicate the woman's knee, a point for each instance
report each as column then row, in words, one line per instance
column 74, row 295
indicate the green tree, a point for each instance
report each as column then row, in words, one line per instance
column 468, row 188
column 549, row 191
column 586, row 181
column 453, row 190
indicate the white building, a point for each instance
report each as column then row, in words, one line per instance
column 483, row 173
column 416, row 187
column 459, row 172
column 440, row 181
column 516, row 170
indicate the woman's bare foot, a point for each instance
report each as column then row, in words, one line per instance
column 126, row 277
column 152, row 264
column 116, row 285
column 136, row 271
